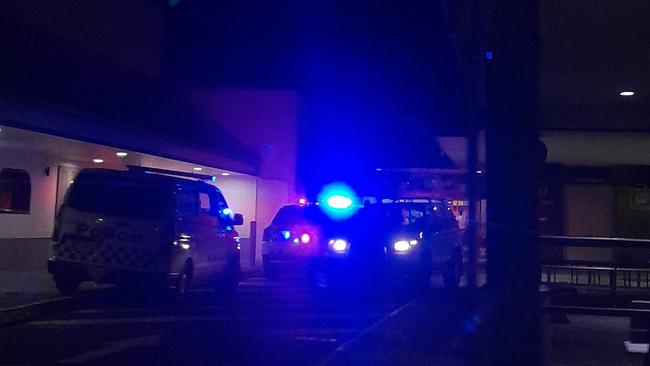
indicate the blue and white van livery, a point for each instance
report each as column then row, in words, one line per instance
column 141, row 228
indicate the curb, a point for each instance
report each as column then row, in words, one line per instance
column 251, row 273
column 31, row 311
column 23, row 313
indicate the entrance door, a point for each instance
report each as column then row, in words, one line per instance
column 65, row 178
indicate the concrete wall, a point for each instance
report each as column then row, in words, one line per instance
column 39, row 222
column 240, row 192
column 23, row 268
column 589, row 211
column 271, row 195
column 593, row 148
column 264, row 120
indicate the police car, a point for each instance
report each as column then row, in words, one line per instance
column 403, row 241
column 147, row 227
column 399, row 241
column 421, row 237
column 297, row 236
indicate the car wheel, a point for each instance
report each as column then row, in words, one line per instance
column 270, row 270
column 451, row 277
column 67, row 284
column 320, row 275
column 422, row 283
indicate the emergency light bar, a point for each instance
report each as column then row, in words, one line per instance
column 145, row 169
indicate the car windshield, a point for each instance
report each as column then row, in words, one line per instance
column 119, row 197
column 291, row 215
column 407, row 215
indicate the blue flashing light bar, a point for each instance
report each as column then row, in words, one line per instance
column 338, row 201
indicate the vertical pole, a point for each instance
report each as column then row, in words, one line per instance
column 472, row 215
column 512, row 168
column 467, row 27
column 253, row 251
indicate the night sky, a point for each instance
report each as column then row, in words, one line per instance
column 377, row 80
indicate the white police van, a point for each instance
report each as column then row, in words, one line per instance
column 144, row 227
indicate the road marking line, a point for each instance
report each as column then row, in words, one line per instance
column 197, row 318
column 636, row 347
column 366, row 331
column 379, row 308
column 315, row 339
column 114, row 347
column 302, row 332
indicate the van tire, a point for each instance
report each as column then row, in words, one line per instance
column 184, row 280
column 66, row 284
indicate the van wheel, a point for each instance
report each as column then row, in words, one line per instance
column 184, row 280
column 66, row 284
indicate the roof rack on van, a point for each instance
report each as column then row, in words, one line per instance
column 145, row 169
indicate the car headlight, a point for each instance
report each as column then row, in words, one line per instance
column 404, row 246
column 339, row 245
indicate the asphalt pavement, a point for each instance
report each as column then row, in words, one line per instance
column 285, row 322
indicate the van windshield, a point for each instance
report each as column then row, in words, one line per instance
column 120, row 197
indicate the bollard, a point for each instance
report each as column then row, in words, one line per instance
column 253, row 243
column 640, row 324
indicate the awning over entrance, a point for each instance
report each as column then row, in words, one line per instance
column 51, row 120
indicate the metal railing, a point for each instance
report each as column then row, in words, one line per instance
column 609, row 274
column 596, row 276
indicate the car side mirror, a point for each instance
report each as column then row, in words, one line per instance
column 238, row 219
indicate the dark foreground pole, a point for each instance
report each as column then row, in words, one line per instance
column 513, row 334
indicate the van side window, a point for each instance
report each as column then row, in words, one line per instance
column 224, row 212
column 204, row 202
column 15, row 191
column 187, row 203
column 220, row 201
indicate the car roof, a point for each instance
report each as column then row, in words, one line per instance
column 387, row 201
column 154, row 178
